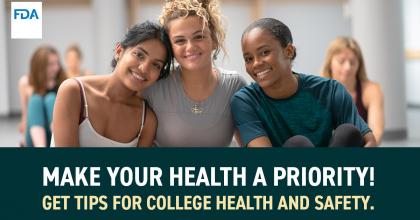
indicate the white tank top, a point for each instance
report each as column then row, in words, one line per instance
column 89, row 137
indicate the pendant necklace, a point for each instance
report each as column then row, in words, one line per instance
column 197, row 109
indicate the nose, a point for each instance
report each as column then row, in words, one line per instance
column 190, row 46
column 347, row 65
column 144, row 66
column 257, row 62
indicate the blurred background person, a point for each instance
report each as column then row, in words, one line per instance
column 25, row 91
column 344, row 63
column 38, row 91
column 73, row 62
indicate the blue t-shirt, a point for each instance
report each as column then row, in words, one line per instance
column 318, row 107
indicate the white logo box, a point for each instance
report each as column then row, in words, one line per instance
column 26, row 20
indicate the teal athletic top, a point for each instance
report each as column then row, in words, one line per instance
column 314, row 111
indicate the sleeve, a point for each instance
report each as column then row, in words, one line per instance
column 246, row 119
column 345, row 110
column 148, row 96
column 241, row 82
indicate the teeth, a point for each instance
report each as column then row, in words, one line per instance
column 137, row 76
column 191, row 56
column 261, row 74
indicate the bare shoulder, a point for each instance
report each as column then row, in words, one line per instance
column 24, row 88
column 372, row 91
column 24, row 80
column 372, row 87
column 69, row 85
column 69, row 91
column 93, row 82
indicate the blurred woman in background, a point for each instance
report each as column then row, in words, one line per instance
column 344, row 63
column 73, row 59
column 38, row 92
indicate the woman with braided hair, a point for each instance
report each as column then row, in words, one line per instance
column 193, row 104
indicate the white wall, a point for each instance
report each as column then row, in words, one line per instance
column 109, row 26
column 4, row 90
column 61, row 27
column 377, row 26
column 313, row 25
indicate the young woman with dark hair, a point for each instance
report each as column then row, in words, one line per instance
column 284, row 108
column 105, row 110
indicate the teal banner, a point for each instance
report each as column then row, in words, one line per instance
column 209, row 183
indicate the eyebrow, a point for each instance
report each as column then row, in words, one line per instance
column 142, row 50
column 259, row 48
column 181, row 36
column 145, row 52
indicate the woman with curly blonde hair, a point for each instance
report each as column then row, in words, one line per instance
column 193, row 104
column 344, row 63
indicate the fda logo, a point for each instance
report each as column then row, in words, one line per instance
column 26, row 20
column 24, row 14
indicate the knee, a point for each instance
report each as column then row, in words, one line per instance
column 298, row 141
column 49, row 98
column 35, row 101
column 347, row 135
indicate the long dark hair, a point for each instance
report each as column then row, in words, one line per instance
column 146, row 31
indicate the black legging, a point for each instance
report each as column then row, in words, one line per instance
column 345, row 135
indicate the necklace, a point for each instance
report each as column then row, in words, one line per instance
column 197, row 109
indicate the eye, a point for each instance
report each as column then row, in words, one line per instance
column 157, row 66
column 247, row 59
column 139, row 55
column 179, row 41
column 353, row 62
column 199, row 37
column 341, row 61
column 265, row 52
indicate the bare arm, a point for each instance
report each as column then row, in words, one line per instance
column 260, row 142
column 24, row 88
column 237, row 136
column 66, row 115
column 147, row 136
column 375, row 106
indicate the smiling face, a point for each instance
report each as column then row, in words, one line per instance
column 265, row 60
column 192, row 45
column 140, row 66
column 344, row 65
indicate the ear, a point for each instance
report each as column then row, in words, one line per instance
column 118, row 51
column 289, row 50
column 214, row 44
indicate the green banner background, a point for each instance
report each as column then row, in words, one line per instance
column 394, row 195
